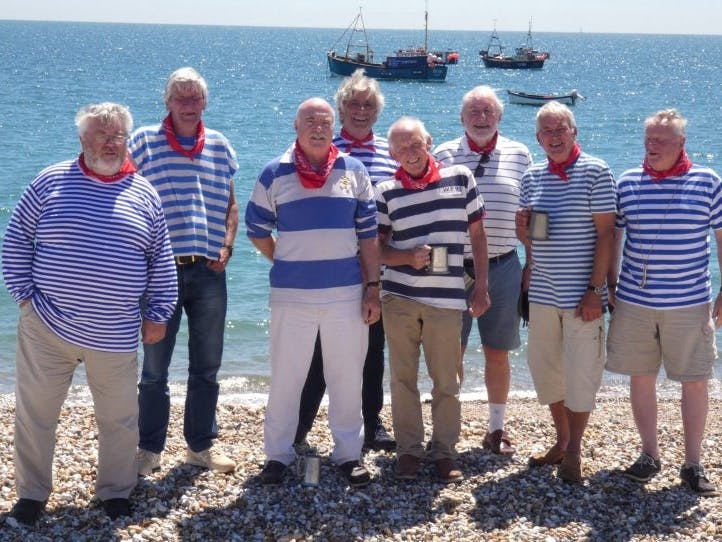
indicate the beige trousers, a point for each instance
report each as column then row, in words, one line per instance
column 409, row 325
column 45, row 364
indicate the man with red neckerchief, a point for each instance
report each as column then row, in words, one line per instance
column 427, row 205
column 86, row 242
column 498, row 164
column 324, row 282
column 359, row 103
column 663, row 311
column 192, row 169
column 567, row 286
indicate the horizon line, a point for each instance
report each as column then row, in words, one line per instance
column 226, row 25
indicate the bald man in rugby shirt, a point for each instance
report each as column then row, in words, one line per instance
column 317, row 288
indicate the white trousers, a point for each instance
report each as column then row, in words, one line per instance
column 344, row 341
column 45, row 364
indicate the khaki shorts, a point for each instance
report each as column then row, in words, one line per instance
column 640, row 339
column 566, row 357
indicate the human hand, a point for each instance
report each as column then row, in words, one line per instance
column 152, row 332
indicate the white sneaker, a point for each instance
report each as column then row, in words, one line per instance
column 211, row 460
column 148, row 462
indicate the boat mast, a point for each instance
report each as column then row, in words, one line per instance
column 426, row 26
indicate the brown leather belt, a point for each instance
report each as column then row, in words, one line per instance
column 186, row 260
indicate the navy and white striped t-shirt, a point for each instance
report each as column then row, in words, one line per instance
column 499, row 186
column 562, row 264
column 86, row 251
column 195, row 193
column 318, row 230
column 378, row 162
column 438, row 214
column 667, row 232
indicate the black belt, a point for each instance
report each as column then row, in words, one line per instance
column 495, row 259
column 185, row 260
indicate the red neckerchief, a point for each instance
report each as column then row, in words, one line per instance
column 358, row 143
column 310, row 177
column 417, row 183
column 175, row 144
column 560, row 169
column 126, row 168
column 682, row 166
column 486, row 149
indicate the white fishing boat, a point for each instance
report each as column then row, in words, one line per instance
column 526, row 98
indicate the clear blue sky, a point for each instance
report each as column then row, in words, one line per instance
column 627, row 16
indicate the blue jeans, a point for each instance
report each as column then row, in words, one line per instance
column 202, row 294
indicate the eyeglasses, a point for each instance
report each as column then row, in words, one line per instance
column 479, row 171
column 115, row 139
column 555, row 133
column 188, row 100
column 354, row 104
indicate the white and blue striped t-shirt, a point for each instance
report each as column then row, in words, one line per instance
column 85, row 252
column 499, row 186
column 438, row 214
column 562, row 264
column 195, row 193
column 667, row 233
column 318, row 230
column 378, row 162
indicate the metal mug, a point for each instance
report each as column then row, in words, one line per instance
column 309, row 466
column 439, row 260
column 538, row 225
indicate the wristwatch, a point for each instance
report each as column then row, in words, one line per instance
column 599, row 290
column 229, row 248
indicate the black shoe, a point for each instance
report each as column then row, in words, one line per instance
column 379, row 440
column 355, row 473
column 694, row 477
column 643, row 468
column 116, row 508
column 273, row 473
column 28, row 511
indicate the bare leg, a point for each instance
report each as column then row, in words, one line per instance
column 643, row 396
column 561, row 424
column 497, row 375
column 577, row 424
column 694, row 418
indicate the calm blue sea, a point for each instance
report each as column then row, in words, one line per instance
column 257, row 78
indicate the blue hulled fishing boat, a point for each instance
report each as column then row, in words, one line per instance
column 416, row 63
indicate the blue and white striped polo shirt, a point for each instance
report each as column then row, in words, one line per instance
column 316, row 256
column 378, row 162
column 562, row 264
column 438, row 214
column 86, row 251
column 195, row 193
column 667, row 233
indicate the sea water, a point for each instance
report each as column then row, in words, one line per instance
column 257, row 78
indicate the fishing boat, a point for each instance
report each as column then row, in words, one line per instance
column 525, row 98
column 525, row 56
column 416, row 63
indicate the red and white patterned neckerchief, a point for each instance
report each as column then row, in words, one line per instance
column 126, row 168
column 175, row 144
column 486, row 149
column 354, row 143
column 560, row 168
column 680, row 167
column 313, row 177
column 431, row 175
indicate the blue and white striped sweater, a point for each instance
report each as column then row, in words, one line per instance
column 85, row 252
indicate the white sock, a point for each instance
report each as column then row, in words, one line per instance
column 496, row 416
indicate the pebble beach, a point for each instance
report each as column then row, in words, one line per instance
column 500, row 498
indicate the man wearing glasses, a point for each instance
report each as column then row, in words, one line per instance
column 192, row 169
column 498, row 164
column 86, row 242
